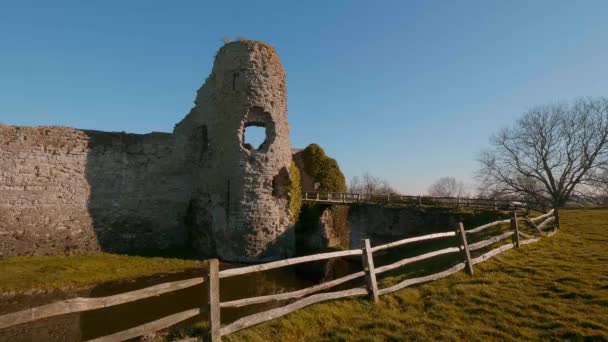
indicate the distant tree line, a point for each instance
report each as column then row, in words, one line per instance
column 448, row 187
column 368, row 184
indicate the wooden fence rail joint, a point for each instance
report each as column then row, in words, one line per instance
column 75, row 305
column 214, row 301
column 515, row 228
column 466, row 252
column 370, row 271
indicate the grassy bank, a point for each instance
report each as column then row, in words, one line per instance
column 554, row 289
column 19, row 274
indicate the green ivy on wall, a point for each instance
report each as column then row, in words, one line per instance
column 295, row 192
column 323, row 169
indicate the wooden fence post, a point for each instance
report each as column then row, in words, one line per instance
column 495, row 205
column 214, row 300
column 515, row 228
column 465, row 251
column 370, row 271
column 420, row 200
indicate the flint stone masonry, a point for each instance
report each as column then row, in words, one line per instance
column 383, row 224
column 240, row 199
column 69, row 190
column 64, row 189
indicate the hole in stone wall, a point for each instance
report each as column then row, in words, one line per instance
column 254, row 136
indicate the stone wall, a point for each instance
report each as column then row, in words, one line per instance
column 382, row 224
column 65, row 190
column 321, row 227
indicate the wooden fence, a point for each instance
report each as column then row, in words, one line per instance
column 457, row 202
column 305, row 297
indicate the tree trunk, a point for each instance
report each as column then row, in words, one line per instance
column 556, row 214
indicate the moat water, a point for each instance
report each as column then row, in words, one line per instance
column 92, row 324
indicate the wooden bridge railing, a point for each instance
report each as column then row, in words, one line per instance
column 305, row 296
column 458, row 202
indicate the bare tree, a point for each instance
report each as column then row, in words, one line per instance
column 447, row 187
column 602, row 189
column 549, row 153
column 354, row 185
column 597, row 191
column 602, row 183
column 370, row 185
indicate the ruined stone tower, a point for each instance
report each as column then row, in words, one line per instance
column 66, row 190
column 240, row 193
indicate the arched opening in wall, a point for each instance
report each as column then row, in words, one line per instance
column 254, row 136
column 259, row 131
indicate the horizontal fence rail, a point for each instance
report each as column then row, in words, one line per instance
column 414, row 239
column 293, row 294
column 411, row 260
column 409, row 282
column 490, row 241
column 75, row 305
column 287, row 262
column 147, row 328
column 303, row 297
column 485, row 226
column 261, row 317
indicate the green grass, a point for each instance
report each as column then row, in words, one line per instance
column 19, row 274
column 556, row 289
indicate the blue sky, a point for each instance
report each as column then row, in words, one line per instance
column 407, row 90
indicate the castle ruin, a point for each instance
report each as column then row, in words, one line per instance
column 201, row 187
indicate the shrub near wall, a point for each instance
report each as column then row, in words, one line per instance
column 323, row 169
column 315, row 230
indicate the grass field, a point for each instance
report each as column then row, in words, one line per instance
column 19, row 274
column 556, row 289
